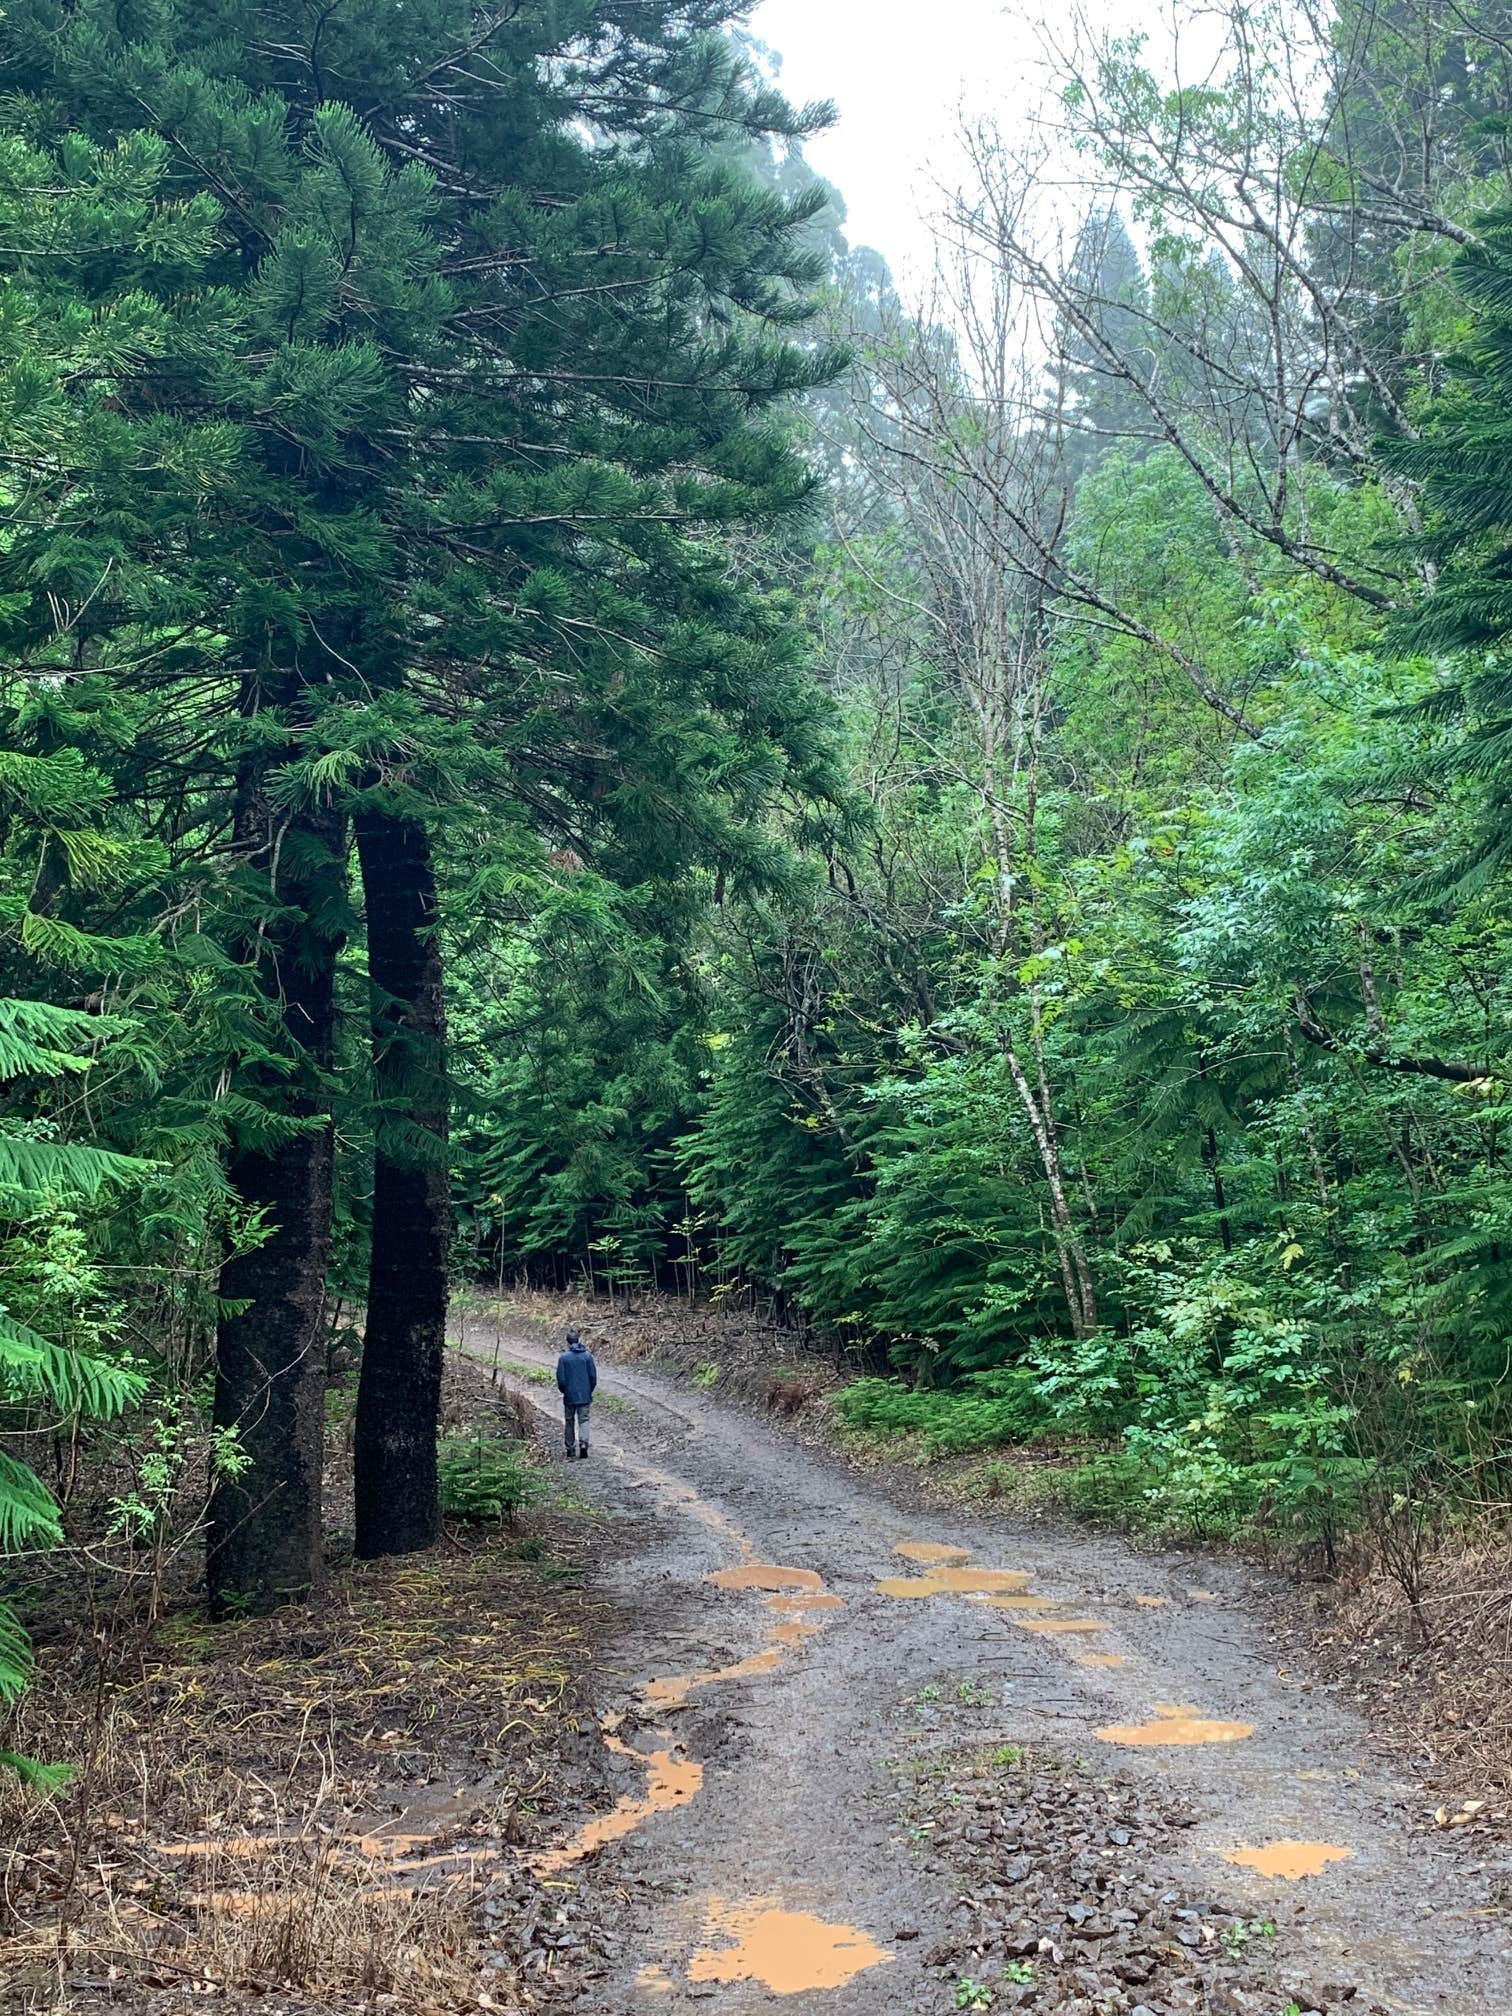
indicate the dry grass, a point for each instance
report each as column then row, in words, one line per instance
column 792, row 1389
column 1447, row 1700
column 306, row 1917
column 307, row 1801
column 319, row 1803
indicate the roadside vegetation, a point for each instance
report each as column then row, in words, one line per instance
column 1120, row 1069
column 557, row 728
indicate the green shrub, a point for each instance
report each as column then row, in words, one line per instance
column 988, row 1410
column 486, row 1480
column 1220, row 1399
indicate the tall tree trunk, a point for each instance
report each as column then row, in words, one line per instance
column 265, row 1530
column 1076, row 1276
column 1220, row 1197
column 399, row 1392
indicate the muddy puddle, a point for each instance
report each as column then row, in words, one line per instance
column 675, row 1689
column 786, row 1952
column 672, row 1780
column 805, row 1601
column 956, row 1581
column 794, row 1595
column 767, row 1575
column 1176, row 1727
column 401, row 1853
column 1290, row 1861
column 947, row 1573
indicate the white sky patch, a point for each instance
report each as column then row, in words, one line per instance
column 898, row 72
column 902, row 74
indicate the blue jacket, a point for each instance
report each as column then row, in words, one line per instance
column 577, row 1375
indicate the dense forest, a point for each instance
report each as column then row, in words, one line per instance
column 559, row 725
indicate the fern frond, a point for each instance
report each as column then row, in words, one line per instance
column 32, row 1367
column 28, row 1511
column 38, row 1168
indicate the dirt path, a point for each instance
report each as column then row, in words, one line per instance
column 789, row 1627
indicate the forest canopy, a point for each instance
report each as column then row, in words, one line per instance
column 556, row 725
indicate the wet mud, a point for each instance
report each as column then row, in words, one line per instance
column 672, row 1779
column 787, row 1617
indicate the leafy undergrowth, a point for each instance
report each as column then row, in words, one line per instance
column 985, row 1411
column 486, row 1479
column 1067, row 1903
column 326, row 1806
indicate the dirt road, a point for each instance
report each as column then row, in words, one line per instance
column 799, row 1637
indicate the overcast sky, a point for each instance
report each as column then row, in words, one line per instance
column 899, row 70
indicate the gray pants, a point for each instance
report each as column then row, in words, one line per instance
column 576, row 1419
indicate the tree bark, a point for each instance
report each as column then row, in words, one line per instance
column 265, row 1524
column 399, row 1391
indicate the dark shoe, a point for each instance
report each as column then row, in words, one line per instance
column 570, row 1454
column 583, row 1452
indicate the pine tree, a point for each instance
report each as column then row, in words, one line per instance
column 104, row 270
column 1463, row 462
column 493, row 399
column 37, row 1176
column 1105, row 414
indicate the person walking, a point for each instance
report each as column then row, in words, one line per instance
column 577, row 1377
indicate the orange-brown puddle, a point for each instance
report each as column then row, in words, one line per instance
column 788, row 1952
column 766, row 1575
column 1102, row 1659
column 933, row 1551
column 1047, row 1625
column 671, row 1781
column 1183, row 1726
column 1290, row 1860
column 1151, row 1602
column 944, row 1581
column 798, row 1590
column 673, row 1690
